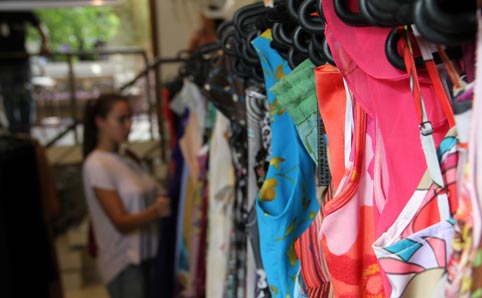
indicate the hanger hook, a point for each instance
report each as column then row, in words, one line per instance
column 310, row 23
column 348, row 17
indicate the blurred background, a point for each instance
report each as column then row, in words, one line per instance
column 98, row 46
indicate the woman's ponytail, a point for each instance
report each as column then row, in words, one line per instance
column 90, row 128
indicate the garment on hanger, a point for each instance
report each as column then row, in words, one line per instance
column 332, row 105
column 296, row 92
column 238, row 142
column 220, row 210
column 298, row 96
column 413, row 254
column 223, row 89
column 184, row 286
column 313, row 265
column 227, row 93
column 375, row 225
column 190, row 213
column 425, row 228
column 259, row 146
column 465, row 267
column 169, row 116
column 198, row 273
column 475, row 147
column 167, row 226
column 286, row 203
column 351, row 262
column 384, row 92
column 459, row 269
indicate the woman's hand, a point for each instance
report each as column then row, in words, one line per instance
column 163, row 206
column 126, row 222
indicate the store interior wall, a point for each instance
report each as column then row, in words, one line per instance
column 176, row 22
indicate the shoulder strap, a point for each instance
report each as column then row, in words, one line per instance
column 426, row 49
column 426, row 132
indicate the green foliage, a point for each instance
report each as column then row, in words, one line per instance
column 80, row 27
column 135, row 23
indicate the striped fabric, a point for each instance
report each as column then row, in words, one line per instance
column 313, row 265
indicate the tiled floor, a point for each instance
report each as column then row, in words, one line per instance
column 77, row 269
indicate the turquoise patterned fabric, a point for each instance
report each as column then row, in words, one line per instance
column 286, row 203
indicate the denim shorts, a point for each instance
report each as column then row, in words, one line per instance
column 135, row 281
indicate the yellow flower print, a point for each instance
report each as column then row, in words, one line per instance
column 280, row 109
column 305, row 202
column 291, row 253
column 290, row 229
column 274, row 289
column 371, row 280
column 312, row 214
column 276, row 108
column 267, row 192
column 279, row 72
column 275, row 161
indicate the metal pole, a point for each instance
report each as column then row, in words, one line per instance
column 157, row 74
column 149, row 97
column 73, row 96
column 151, row 66
column 160, row 120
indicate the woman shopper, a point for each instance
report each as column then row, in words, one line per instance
column 124, row 201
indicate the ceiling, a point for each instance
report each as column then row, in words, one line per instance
column 35, row 4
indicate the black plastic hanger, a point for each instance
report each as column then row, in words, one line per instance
column 311, row 24
column 281, row 48
column 457, row 21
column 250, row 49
column 327, row 52
column 319, row 9
column 387, row 13
column 301, row 40
column 286, row 31
column 295, row 59
column 225, row 26
column 317, row 40
column 226, row 34
column 434, row 34
column 208, row 48
column 245, row 18
column 236, row 38
column 275, row 32
column 247, row 57
column 278, row 14
column 348, row 17
column 282, row 33
column 316, row 55
column 379, row 18
column 396, row 60
column 238, row 69
column 292, row 8
column 257, row 74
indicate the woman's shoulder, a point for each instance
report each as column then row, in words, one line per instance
column 99, row 159
column 102, row 170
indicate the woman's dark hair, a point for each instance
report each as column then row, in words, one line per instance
column 94, row 108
